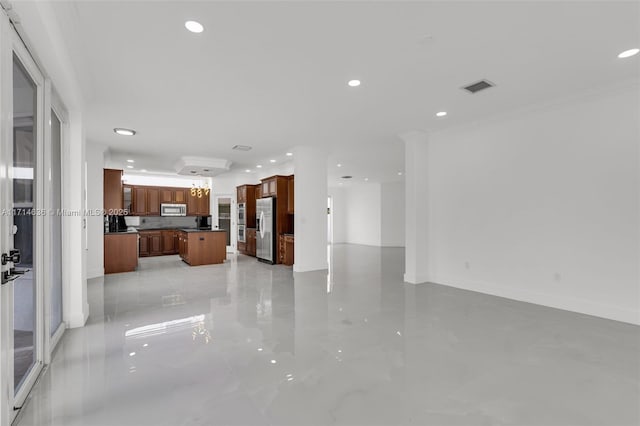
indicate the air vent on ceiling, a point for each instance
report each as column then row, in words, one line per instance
column 478, row 86
column 242, row 148
column 347, row 177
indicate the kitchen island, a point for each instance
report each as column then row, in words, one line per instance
column 202, row 247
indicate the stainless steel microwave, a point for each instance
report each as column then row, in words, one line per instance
column 173, row 209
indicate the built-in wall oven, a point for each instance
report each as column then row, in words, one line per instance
column 241, row 233
column 242, row 209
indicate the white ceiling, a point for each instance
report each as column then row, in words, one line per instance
column 273, row 74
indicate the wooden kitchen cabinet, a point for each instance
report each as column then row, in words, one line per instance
column 180, row 196
column 286, row 247
column 112, row 191
column 290, row 190
column 153, row 201
column 241, row 194
column 150, row 243
column 167, row 195
column 169, row 242
column 251, row 242
column 203, row 205
column 139, row 201
column 120, row 252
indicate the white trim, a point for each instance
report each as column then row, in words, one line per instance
column 26, row 60
column 56, row 337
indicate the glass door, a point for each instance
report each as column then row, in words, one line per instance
column 21, row 238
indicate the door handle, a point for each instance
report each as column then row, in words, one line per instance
column 13, row 256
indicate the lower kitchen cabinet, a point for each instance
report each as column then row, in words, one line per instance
column 286, row 243
column 251, row 242
column 170, row 241
column 249, row 246
column 120, row 252
column 150, row 243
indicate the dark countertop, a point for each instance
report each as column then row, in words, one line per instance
column 202, row 230
column 120, row 232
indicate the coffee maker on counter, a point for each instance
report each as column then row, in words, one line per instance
column 204, row 222
column 114, row 223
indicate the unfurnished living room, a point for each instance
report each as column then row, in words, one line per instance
column 319, row 213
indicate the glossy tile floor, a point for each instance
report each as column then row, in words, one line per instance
column 245, row 344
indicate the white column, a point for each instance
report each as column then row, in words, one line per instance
column 416, row 207
column 76, row 308
column 310, row 221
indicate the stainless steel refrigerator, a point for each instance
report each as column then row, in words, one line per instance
column 266, row 229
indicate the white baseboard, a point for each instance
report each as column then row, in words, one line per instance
column 415, row 279
column 78, row 319
column 581, row 306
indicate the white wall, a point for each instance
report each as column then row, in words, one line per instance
column 95, row 200
column 542, row 206
column 392, row 218
column 363, row 214
column 369, row 213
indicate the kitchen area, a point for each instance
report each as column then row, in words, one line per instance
column 266, row 218
column 142, row 221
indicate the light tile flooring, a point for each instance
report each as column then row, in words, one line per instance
column 245, row 343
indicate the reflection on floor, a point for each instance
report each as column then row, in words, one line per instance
column 245, row 343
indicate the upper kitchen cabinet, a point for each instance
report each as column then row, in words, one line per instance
column 290, row 189
column 241, row 195
column 180, row 196
column 139, row 201
column 198, row 203
column 274, row 186
column 173, row 196
column 153, row 201
column 167, row 195
column 113, row 198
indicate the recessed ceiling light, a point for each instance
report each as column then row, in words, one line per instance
column 194, row 27
column 272, row 161
column 129, row 167
column 399, row 173
column 259, row 166
column 273, row 361
column 130, row 161
column 339, row 165
column 124, row 132
column 628, row 53
column 289, row 154
column 441, row 114
column 248, row 171
column 340, row 184
column 132, row 354
column 366, row 179
column 354, row 83
column 144, row 170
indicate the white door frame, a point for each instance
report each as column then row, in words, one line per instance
column 11, row 44
column 233, row 230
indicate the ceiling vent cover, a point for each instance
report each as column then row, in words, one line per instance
column 478, row 86
column 241, row 148
column 347, row 177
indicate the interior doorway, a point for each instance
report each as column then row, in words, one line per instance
column 224, row 218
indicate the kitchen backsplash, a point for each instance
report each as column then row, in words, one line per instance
column 151, row 222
